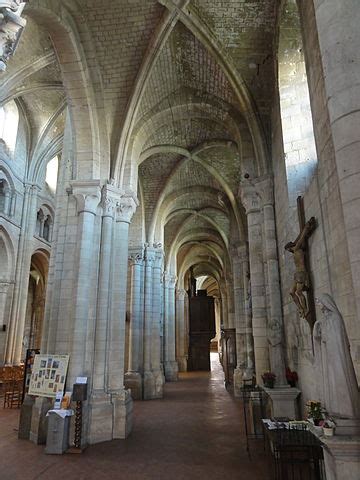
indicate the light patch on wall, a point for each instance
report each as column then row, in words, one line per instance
column 9, row 123
column 51, row 173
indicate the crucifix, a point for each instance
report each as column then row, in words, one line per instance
column 302, row 284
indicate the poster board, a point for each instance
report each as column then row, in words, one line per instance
column 48, row 375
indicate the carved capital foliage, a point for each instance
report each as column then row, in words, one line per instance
column 181, row 294
column 249, row 197
column 109, row 198
column 265, row 189
column 170, row 280
column 243, row 253
column 87, row 195
column 150, row 255
column 126, row 206
column 136, row 257
column 256, row 193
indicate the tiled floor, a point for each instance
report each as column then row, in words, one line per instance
column 195, row 432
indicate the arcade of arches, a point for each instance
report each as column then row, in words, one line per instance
column 152, row 148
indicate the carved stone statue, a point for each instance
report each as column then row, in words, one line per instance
column 301, row 277
column 332, row 352
column 11, row 27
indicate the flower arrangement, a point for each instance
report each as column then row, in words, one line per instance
column 268, row 379
column 315, row 412
column 291, row 377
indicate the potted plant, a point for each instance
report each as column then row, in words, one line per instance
column 314, row 412
column 268, row 379
column 291, row 377
column 328, row 426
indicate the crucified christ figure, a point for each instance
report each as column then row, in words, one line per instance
column 301, row 276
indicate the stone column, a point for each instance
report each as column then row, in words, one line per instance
column 239, row 304
column 224, row 307
column 156, row 321
column 100, row 425
column 121, row 399
column 181, row 351
column 230, row 302
column 251, row 202
column 133, row 377
column 171, row 366
column 87, row 195
column 275, row 323
column 4, row 286
column 149, row 391
column 249, row 338
column 18, row 312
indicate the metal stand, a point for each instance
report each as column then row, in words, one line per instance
column 78, row 429
column 254, row 403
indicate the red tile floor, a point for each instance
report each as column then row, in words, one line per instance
column 195, row 432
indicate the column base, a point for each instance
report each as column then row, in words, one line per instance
column 153, row 385
column 171, row 371
column 38, row 428
column 283, row 401
column 341, row 457
column 100, row 418
column 25, row 417
column 347, row 426
column 249, row 373
column 133, row 382
column 182, row 364
column 122, row 414
column 238, row 380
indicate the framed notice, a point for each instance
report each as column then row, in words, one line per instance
column 48, row 375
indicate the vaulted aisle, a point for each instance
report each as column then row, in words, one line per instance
column 195, row 432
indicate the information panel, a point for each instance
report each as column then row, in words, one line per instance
column 48, row 375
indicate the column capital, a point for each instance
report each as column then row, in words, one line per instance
column 256, row 193
column 265, row 189
column 126, row 206
column 4, row 286
column 170, row 280
column 249, row 196
column 136, row 256
column 180, row 294
column 87, row 194
column 109, row 197
column 243, row 252
column 150, row 254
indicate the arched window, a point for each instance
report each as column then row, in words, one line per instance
column 9, row 123
column 2, row 196
column 6, row 196
column 39, row 222
column 52, row 173
column 46, row 229
column 296, row 118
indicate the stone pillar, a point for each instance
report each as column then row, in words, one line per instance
column 251, row 202
column 340, row 56
column 224, row 307
column 4, row 287
column 133, row 377
column 237, row 256
column 249, row 337
column 120, row 398
column 181, row 350
column 87, row 195
column 18, row 312
column 230, row 302
column 149, row 391
column 101, row 410
column 156, row 321
column 275, row 323
column 171, row 366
